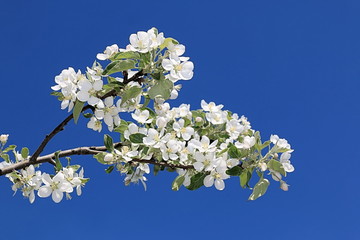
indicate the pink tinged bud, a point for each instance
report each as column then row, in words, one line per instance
column 284, row 186
column 198, row 119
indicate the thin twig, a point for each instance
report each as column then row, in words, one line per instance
column 82, row 151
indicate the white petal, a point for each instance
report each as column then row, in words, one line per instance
column 66, row 187
column 102, row 56
column 32, row 196
column 98, row 85
column 219, row 184
column 44, row 191
column 208, row 181
column 83, row 96
column 46, row 179
column 57, row 196
column 78, row 190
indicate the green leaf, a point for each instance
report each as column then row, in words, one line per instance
column 9, row 148
column 235, row 171
column 119, row 66
column 157, row 168
column 265, row 144
column 260, row 189
column 58, row 166
column 25, row 152
column 179, row 180
column 137, row 137
column 162, row 89
column 122, row 127
column 234, row 152
column 276, row 166
column 100, row 157
column 245, row 177
column 59, row 95
column 130, row 93
column 77, row 110
column 109, row 169
column 108, row 142
column 167, row 41
column 130, row 54
column 196, row 181
column 87, row 115
column 5, row 157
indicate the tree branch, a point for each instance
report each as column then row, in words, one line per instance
column 82, row 151
column 60, row 127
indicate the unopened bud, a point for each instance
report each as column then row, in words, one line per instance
column 198, row 119
column 263, row 166
column 4, row 138
column 284, row 186
column 109, row 157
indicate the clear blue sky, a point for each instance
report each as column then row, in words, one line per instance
column 292, row 67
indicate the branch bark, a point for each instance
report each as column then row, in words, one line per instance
column 82, row 151
column 61, row 126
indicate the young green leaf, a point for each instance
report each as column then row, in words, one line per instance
column 108, row 142
column 137, row 138
column 100, row 157
column 130, row 54
column 276, row 166
column 179, row 180
column 77, row 110
column 130, row 93
column 58, row 166
column 25, row 152
column 235, row 171
column 245, row 177
column 162, row 89
column 196, row 181
column 5, row 157
column 119, row 66
column 260, row 189
column 109, row 169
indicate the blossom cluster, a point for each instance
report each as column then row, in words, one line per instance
column 211, row 141
column 29, row 181
column 160, row 61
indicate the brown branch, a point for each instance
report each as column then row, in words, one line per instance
column 82, row 151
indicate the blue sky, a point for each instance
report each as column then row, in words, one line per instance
column 292, row 67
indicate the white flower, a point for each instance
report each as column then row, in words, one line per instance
column 156, row 39
column 205, row 163
column 33, row 182
column 204, row 145
column 109, row 112
column 211, row 107
column 140, row 42
column 184, row 132
column 285, row 161
column 4, row 138
column 94, row 124
column 177, row 49
column 280, row 142
column 178, row 70
column 144, row 167
column 126, row 154
column 67, row 83
column 88, row 91
column 234, row 128
column 170, row 149
column 141, row 116
column 54, row 187
column 153, row 138
column 247, row 143
column 109, row 51
column 216, row 177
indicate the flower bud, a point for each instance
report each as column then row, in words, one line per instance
column 284, row 186
column 263, row 166
column 109, row 157
column 161, row 122
column 4, row 138
column 198, row 119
